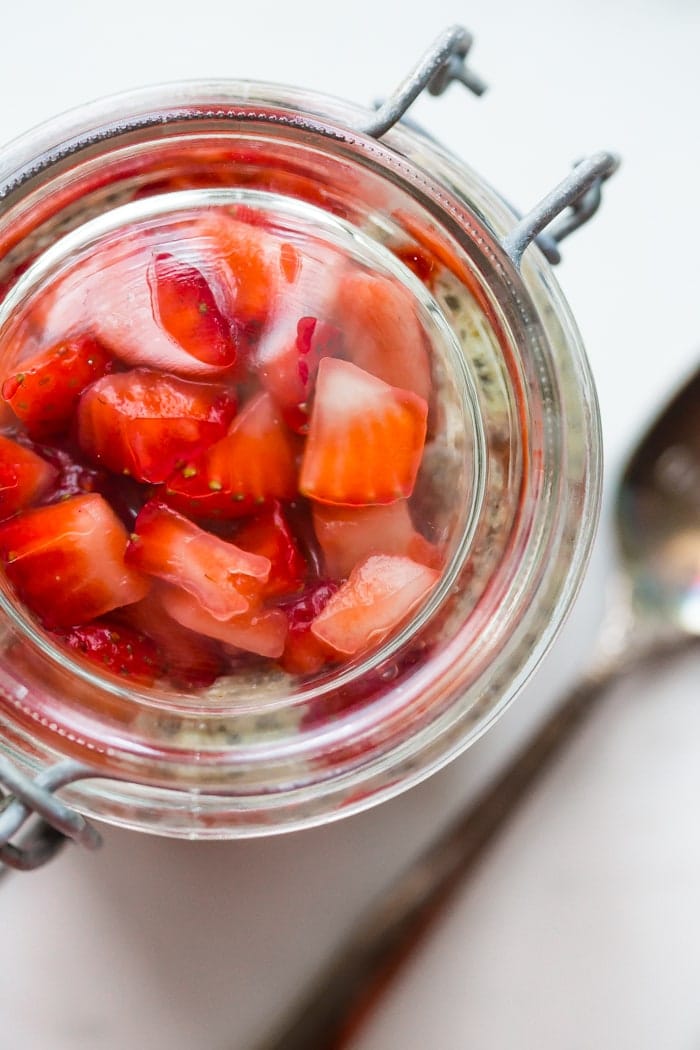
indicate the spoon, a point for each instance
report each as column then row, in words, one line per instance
column 653, row 614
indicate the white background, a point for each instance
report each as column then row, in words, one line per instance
column 582, row 928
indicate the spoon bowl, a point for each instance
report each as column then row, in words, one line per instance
column 658, row 517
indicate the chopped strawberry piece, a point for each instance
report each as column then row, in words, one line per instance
column 419, row 260
column 111, row 296
column 348, row 535
column 189, row 659
column 303, row 652
column 379, row 595
column 365, row 439
column 254, row 258
column 24, row 477
column 222, row 577
column 125, row 496
column 188, row 311
column 117, row 649
column 145, row 424
column 298, row 334
column 268, row 534
column 44, row 394
column 261, row 632
column 66, row 561
column 71, row 478
column 381, row 331
column 289, row 369
column 254, row 464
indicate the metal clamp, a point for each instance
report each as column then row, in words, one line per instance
column 443, row 62
column 580, row 191
column 51, row 822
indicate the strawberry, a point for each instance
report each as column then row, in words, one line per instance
column 419, row 260
column 303, row 652
column 114, row 295
column 348, row 535
column 365, row 438
column 268, row 534
column 288, row 369
column 188, row 311
column 24, row 477
column 66, row 561
column 381, row 331
column 71, row 477
column 254, row 260
column 262, row 632
column 253, row 465
column 298, row 333
column 189, row 659
column 45, row 392
column 117, row 649
column 145, row 424
column 378, row 596
column 74, row 478
column 222, row 577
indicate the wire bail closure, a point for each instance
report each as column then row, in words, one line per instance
column 581, row 192
column 50, row 822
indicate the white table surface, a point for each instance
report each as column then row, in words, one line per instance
column 582, row 927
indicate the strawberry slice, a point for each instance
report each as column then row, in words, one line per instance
column 378, row 596
column 113, row 296
column 298, row 333
column 255, row 261
column 287, row 365
column 269, row 535
column 145, row 424
column 74, row 478
column 66, row 561
column 44, row 394
column 188, row 311
column 348, row 535
column 381, row 331
column 222, row 577
column 117, row 649
column 262, row 632
column 71, row 478
column 189, row 660
column 254, row 464
column 303, row 652
column 24, row 477
column 365, row 439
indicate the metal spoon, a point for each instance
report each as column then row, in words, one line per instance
column 653, row 614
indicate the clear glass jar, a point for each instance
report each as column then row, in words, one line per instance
column 518, row 451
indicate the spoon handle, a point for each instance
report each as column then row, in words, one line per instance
column 334, row 1007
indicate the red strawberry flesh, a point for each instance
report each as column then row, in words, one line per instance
column 255, row 464
column 365, row 440
column 66, row 561
column 268, row 534
column 118, row 650
column 144, row 424
column 379, row 595
column 188, row 311
column 220, row 576
column 45, row 393
column 24, row 477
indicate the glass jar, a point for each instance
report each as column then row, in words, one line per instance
column 519, row 453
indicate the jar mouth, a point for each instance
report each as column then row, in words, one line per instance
column 479, row 646
column 86, row 239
